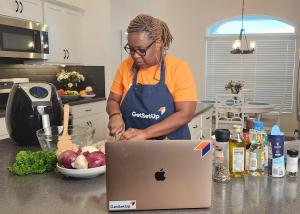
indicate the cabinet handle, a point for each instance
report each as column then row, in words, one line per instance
column 67, row 53
column 87, row 110
column 17, row 6
column 195, row 126
column 21, row 6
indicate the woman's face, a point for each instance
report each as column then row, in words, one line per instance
column 144, row 51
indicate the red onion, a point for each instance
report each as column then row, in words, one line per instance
column 66, row 158
column 95, row 159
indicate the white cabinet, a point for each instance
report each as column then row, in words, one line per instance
column 64, row 34
column 201, row 125
column 3, row 131
column 94, row 113
column 22, row 9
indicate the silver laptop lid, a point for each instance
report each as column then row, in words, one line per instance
column 143, row 175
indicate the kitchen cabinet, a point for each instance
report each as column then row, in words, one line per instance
column 64, row 33
column 3, row 131
column 201, row 125
column 94, row 113
column 22, row 9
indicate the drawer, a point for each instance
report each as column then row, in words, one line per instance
column 88, row 109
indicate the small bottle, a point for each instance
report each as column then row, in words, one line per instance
column 292, row 162
column 257, row 156
column 247, row 155
column 237, row 149
column 221, row 158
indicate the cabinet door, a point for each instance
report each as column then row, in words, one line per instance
column 8, row 7
column 23, row 9
column 99, row 121
column 72, row 36
column 64, row 34
column 3, row 131
column 53, row 17
column 195, row 128
column 206, row 124
column 30, row 10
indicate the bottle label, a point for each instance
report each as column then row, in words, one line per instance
column 253, row 161
column 278, row 167
column 220, row 152
column 292, row 164
column 238, row 159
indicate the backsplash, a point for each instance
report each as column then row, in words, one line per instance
column 94, row 75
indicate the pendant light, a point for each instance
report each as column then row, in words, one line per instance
column 237, row 44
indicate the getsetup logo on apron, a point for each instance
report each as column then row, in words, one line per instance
column 151, row 116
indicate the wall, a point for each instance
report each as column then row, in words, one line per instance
column 96, row 35
column 188, row 21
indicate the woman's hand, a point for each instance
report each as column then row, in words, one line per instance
column 115, row 125
column 134, row 134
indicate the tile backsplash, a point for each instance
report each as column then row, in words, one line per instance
column 94, row 75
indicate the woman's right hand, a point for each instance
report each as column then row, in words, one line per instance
column 116, row 125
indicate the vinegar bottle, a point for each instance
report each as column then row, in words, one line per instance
column 237, row 149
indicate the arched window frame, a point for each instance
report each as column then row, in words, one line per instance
column 223, row 66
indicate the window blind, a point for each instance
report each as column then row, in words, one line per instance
column 268, row 72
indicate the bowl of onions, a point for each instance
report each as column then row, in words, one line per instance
column 86, row 162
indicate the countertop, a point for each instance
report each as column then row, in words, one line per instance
column 72, row 103
column 202, row 107
column 54, row 193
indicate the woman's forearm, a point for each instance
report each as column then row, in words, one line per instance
column 113, row 104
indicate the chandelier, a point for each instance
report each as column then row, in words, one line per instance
column 237, row 44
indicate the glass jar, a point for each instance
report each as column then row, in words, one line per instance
column 292, row 162
column 221, row 156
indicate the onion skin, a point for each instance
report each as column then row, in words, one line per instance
column 66, row 158
column 95, row 159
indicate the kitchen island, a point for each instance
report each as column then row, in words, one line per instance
column 54, row 193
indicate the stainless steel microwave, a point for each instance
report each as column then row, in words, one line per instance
column 23, row 39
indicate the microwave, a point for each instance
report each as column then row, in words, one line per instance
column 23, row 39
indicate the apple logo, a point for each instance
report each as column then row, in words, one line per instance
column 160, row 175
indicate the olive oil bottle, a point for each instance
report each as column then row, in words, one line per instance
column 237, row 149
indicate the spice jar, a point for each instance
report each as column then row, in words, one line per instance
column 292, row 162
column 221, row 167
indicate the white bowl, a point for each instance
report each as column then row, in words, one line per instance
column 82, row 173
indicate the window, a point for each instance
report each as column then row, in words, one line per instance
column 268, row 72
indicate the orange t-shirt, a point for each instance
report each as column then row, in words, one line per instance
column 178, row 76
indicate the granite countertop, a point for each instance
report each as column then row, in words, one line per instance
column 54, row 193
column 202, row 107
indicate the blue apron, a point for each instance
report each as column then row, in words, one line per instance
column 146, row 105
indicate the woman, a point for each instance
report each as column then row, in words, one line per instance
column 153, row 95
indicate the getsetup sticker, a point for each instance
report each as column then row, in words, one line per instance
column 122, row 205
column 203, row 147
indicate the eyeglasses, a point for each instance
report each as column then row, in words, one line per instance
column 139, row 51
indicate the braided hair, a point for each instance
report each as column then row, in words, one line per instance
column 156, row 29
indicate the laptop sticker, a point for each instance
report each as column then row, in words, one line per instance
column 122, row 205
column 203, row 147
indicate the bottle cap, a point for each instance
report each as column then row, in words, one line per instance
column 245, row 130
column 258, row 125
column 292, row 152
column 222, row 135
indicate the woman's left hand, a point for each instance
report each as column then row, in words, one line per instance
column 134, row 134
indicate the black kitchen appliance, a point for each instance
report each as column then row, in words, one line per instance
column 26, row 107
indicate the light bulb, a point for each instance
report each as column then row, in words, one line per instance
column 236, row 44
column 252, row 45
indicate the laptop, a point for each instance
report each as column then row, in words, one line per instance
column 158, row 174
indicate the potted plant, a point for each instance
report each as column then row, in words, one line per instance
column 234, row 86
